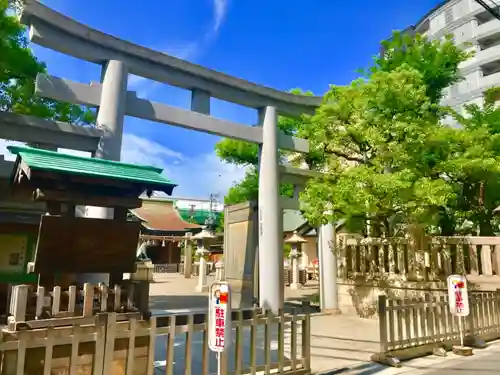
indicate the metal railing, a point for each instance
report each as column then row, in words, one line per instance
column 414, row 327
column 176, row 344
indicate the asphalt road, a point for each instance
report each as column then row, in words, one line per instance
column 197, row 349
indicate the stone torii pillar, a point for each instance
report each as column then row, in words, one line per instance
column 329, row 300
column 110, row 118
column 270, row 221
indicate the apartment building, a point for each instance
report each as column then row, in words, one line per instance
column 476, row 29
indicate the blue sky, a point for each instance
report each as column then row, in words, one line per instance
column 280, row 43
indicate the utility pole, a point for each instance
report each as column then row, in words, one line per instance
column 211, row 216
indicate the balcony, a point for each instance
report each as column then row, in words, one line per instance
column 481, row 57
column 489, row 81
column 487, row 29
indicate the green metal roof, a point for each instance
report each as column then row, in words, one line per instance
column 39, row 159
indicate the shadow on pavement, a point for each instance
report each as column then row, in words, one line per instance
column 343, row 339
column 190, row 301
column 178, row 302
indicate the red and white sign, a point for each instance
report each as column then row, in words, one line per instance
column 458, row 296
column 219, row 317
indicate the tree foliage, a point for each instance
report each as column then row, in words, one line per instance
column 18, row 71
column 387, row 151
column 392, row 159
column 246, row 154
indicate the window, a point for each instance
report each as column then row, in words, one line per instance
column 490, row 68
column 14, row 259
column 448, row 16
column 490, row 41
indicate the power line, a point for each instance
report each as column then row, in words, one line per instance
column 493, row 11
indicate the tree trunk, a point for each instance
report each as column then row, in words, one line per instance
column 485, row 227
column 447, row 224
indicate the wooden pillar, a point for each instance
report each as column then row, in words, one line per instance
column 119, row 214
column 48, row 280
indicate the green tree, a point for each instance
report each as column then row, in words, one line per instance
column 246, row 154
column 472, row 166
column 18, row 71
column 384, row 138
column 437, row 61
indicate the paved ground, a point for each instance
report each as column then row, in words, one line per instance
column 337, row 342
column 484, row 361
column 342, row 341
column 172, row 291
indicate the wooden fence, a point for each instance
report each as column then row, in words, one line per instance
column 31, row 306
column 173, row 345
column 415, row 327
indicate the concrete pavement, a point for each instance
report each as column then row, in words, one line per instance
column 484, row 361
column 338, row 342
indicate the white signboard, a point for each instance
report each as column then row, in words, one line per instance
column 219, row 317
column 458, row 296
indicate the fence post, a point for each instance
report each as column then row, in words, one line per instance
column 306, row 341
column 19, row 302
column 496, row 307
column 384, row 356
column 472, row 317
column 382, row 317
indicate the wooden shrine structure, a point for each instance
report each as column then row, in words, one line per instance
column 68, row 246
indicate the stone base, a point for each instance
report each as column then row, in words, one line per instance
column 358, row 295
column 332, row 311
column 295, row 286
column 202, row 288
column 464, row 351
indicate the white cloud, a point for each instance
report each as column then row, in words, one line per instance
column 220, row 11
column 3, row 149
column 196, row 176
column 184, row 51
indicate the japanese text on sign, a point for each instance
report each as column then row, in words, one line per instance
column 219, row 312
column 219, row 327
column 457, row 295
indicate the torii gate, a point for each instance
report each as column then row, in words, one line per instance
column 119, row 58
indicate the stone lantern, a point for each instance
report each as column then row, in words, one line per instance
column 188, row 254
column 201, row 242
column 296, row 242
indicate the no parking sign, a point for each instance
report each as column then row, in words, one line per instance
column 219, row 317
column 457, row 295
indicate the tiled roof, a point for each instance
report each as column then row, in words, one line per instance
column 160, row 215
column 44, row 160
